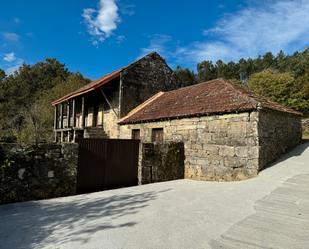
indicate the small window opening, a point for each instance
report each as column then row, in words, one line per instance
column 157, row 135
column 136, row 134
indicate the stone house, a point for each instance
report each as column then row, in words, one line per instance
column 228, row 133
column 94, row 110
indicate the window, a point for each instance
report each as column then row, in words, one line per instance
column 157, row 135
column 136, row 134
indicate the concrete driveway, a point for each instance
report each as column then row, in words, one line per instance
column 269, row 211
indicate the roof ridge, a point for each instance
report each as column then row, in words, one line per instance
column 197, row 84
column 122, row 68
column 225, row 97
column 143, row 57
column 260, row 101
column 93, row 84
column 242, row 91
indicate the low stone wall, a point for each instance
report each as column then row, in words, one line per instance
column 161, row 162
column 277, row 133
column 219, row 147
column 30, row 172
column 305, row 125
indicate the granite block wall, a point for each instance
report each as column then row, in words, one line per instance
column 219, row 147
column 31, row 172
column 161, row 162
column 278, row 133
column 143, row 79
column 230, row 146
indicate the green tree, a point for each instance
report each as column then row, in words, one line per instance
column 184, row 76
column 281, row 62
column 245, row 69
column 231, row 71
column 38, row 126
column 206, row 71
column 268, row 60
column 221, row 69
column 299, row 97
column 276, row 86
column 20, row 93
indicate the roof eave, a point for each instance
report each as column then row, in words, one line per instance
column 84, row 91
column 292, row 112
column 185, row 116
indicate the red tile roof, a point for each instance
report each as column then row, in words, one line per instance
column 212, row 97
column 89, row 87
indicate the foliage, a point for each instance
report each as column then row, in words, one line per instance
column 282, row 88
column 184, row 77
column 206, row 71
column 39, row 118
column 283, row 78
column 276, row 86
column 26, row 114
column 6, row 164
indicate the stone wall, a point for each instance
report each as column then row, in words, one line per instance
column 110, row 123
column 305, row 125
column 30, row 172
column 110, row 118
column 139, row 81
column 278, row 133
column 161, row 162
column 230, row 146
column 221, row 147
column 143, row 79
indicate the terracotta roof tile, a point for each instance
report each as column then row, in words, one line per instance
column 89, row 87
column 212, row 97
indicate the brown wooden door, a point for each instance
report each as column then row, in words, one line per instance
column 106, row 163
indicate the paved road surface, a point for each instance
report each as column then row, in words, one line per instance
column 269, row 211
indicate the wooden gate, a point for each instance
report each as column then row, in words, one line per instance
column 106, row 164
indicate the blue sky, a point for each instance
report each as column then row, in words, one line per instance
column 98, row 36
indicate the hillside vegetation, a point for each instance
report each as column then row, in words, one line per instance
column 283, row 78
column 26, row 114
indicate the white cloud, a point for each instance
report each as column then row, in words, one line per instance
column 158, row 43
column 200, row 51
column 11, row 63
column 10, row 36
column 9, row 57
column 12, row 69
column 101, row 22
column 120, row 38
column 253, row 30
column 127, row 9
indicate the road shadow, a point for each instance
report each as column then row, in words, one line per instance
column 29, row 224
